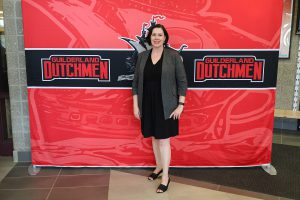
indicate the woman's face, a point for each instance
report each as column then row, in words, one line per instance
column 157, row 38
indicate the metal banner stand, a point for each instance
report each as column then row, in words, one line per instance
column 270, row 169
column 33, row 170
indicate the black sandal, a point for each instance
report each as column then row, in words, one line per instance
column 154, row 176
column 163, row 188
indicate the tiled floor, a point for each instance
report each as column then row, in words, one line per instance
column 6, row 164
column 110, row 184
column 117, row 183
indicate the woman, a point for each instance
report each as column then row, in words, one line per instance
column 159, row 88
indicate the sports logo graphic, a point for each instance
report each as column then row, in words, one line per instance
column 75, row 67
column 141, row 45
column 229, row 68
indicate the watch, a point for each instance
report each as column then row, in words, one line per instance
column 180, row 103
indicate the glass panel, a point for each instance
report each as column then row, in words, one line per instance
column 5, row 121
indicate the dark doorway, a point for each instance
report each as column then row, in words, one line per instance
column 6, row 145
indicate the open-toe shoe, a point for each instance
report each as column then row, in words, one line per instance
column 162, row 188
column 154, row 176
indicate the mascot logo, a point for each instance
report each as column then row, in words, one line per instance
column 139, row 45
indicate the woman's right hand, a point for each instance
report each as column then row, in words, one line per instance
column 136, row 112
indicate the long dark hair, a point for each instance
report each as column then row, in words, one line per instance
column 150, row 30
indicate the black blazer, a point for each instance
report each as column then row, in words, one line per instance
column 173, row 79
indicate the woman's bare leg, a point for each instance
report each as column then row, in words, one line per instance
column 156, row 151
column 165, row 154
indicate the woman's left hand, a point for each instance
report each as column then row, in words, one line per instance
column 177, row 112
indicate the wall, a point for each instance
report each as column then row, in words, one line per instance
column 287, row 70
column 17, row 78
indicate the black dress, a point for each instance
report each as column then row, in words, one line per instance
column 153, row 122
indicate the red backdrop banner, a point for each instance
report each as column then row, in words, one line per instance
column 80, row 59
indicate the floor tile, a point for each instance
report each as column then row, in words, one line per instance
column 282, row 198
column 82, row 171
column 277, row 138
column 79, row 193
column 133, row 187
column 23, row 172
column 2, row 177
column 291, row 140
column 82, row 180
column 27, row 182
column 23, row 164
column 137, row 171
column 239, row 192
column 5, row 170
column 181, row 191
column 6, row 164
column 6, row 161
column 195, row 183
column 140, row 188
column 29, row 194
column 146, row 172
column 240, row 197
